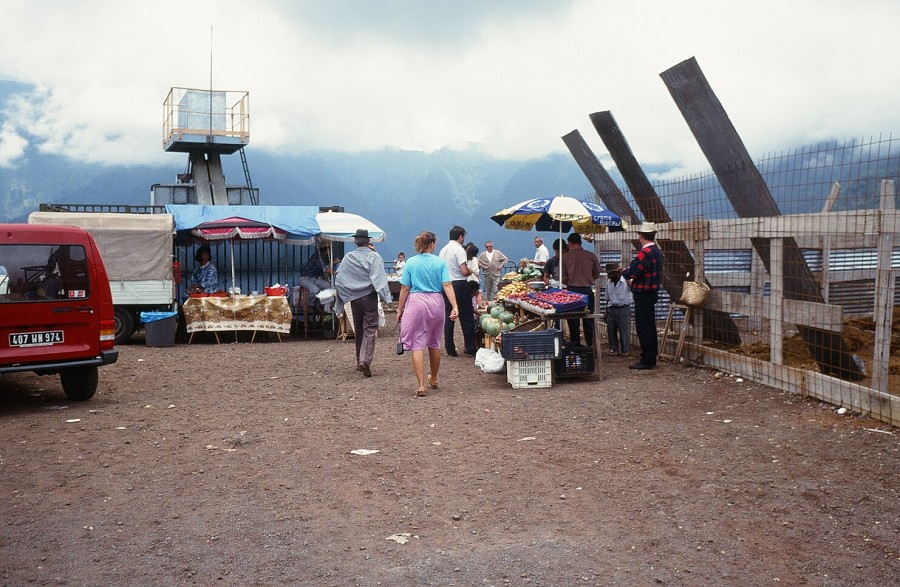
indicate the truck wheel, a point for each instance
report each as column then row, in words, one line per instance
column 124, row 324
column 79, row 383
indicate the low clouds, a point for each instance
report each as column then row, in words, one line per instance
column 12, row 146
column 509, row 76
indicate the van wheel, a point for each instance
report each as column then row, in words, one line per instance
column 124, row 324
column 79, row 383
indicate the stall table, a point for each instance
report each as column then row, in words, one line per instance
column 234, row 313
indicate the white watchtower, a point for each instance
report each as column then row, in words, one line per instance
column 206, row 124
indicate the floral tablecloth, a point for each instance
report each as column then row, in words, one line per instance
column 263, row 313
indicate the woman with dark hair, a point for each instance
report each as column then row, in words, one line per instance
column 205, row 278
column 473, row 279
column 420, row 309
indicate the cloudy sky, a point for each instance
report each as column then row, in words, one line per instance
column 511, row 76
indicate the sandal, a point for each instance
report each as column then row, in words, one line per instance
column 420, row 392
column 432, row 382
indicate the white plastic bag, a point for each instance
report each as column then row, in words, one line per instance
column 490, row 361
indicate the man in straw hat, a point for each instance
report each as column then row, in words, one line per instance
column 645, row 275
column 360, row 280
column 618, row 311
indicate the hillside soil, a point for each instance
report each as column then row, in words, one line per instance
column 233, row 464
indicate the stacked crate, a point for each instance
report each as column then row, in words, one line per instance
column 529, row 357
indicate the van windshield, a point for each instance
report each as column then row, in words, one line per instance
column 43, row 272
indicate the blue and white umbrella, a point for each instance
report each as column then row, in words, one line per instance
column 559, row 214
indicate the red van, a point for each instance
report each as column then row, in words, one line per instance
column 56, row 310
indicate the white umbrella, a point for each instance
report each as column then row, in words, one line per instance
column 341, row 226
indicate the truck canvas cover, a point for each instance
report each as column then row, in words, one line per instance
column 133, row 246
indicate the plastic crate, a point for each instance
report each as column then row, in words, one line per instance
column 575, row 360
column 538, row 344
column 522, row 374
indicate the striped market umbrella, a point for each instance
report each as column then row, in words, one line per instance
column 559, row 214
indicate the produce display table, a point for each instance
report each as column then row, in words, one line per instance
column 574, row 362
column 234, row 313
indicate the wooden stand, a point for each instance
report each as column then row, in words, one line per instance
column 670, row 324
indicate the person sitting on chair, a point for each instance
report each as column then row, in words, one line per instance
column 205, row 278
column 314, row 277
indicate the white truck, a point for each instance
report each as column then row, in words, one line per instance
column 137, row 251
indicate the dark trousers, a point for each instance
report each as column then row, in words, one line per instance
column 645, row 324
column 365, row 326
column 618, row 328
column 574, row 324
column 466, row 318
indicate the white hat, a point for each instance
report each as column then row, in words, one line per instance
column 646, row 227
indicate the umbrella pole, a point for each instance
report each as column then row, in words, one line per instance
column 561, row 286
column 231, row 244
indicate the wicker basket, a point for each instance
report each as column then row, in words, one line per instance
column 693, row 293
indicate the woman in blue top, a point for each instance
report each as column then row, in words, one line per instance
column 205, row 278
column 420, row 310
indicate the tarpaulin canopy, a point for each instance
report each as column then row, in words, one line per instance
column 299, row 222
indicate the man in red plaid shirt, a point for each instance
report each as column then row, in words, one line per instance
column 645, row 275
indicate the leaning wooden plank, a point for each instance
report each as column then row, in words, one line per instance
column 607, row 190
column 679, row 263
column 750, row 197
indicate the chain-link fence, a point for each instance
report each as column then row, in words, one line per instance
column 802, row 299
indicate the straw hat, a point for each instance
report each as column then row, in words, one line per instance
column 646, row 227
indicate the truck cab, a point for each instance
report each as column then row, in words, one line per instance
column 56, row 309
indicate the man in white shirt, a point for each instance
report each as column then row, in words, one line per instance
column 491, row 262
column 454, row 255
column 618, row 311
column 541, row 254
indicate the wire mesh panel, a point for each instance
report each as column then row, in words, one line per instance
column 809, row 288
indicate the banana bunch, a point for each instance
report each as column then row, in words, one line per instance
column 512, row 276
column 512, row 288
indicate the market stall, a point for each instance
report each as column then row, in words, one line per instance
column 256, row 313
column 530, row 317
column 235, row 312
column 528, row 357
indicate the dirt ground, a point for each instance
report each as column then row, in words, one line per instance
column 231, row 464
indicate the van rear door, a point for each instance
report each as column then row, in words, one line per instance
column 49, row 306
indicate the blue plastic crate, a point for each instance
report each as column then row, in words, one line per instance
column 539, row 344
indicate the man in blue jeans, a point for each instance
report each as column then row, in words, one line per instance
column 645, row 274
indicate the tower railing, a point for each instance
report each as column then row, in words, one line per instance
column 190, row 112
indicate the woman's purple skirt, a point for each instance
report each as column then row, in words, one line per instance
column 423, row 321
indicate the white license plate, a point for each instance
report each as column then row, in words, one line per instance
column 45, row 338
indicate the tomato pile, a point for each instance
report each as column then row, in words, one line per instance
column 555, row 298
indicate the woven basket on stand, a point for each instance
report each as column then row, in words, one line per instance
column 693, row 293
